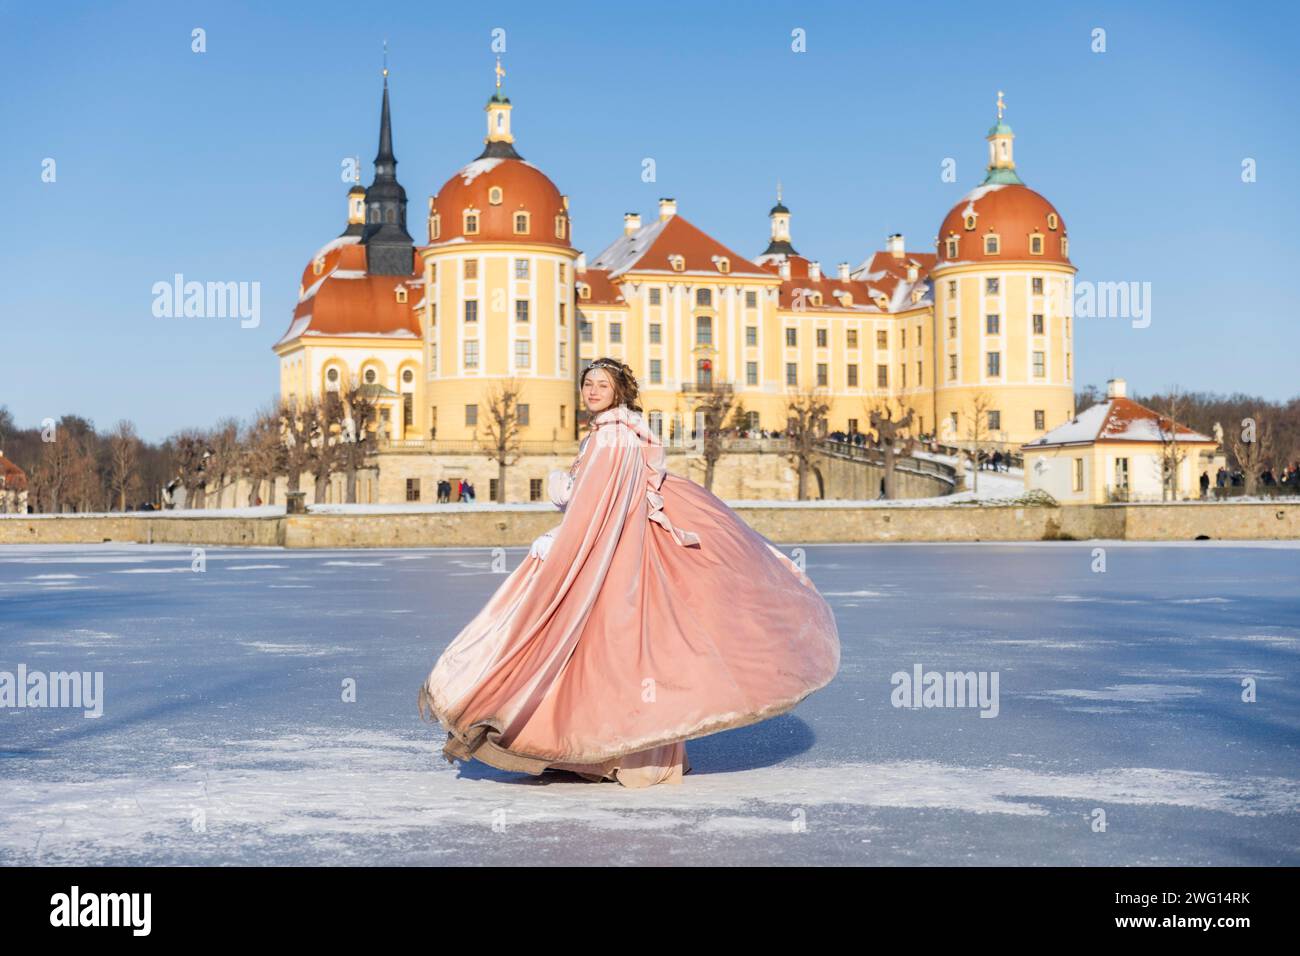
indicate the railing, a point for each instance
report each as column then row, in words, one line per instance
column 707, row 387
column 470, row 447
column 874, row 456
column 1010, row 459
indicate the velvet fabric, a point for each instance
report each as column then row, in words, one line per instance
column 656, row 616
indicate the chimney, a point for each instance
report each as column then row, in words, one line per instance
column 631, row 222
column 815, row 271
column 785, row 268
column 580, row 264
column 844, row 271
column 1116, row 388
column 894, row 245
column 667, row 208
column 912, row 272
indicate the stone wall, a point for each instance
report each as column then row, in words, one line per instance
column 483, row 525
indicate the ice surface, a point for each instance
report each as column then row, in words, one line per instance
column 225, row 738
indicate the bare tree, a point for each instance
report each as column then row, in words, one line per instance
column 262, row 454
column 710, row 410
column 503, row 430
column 893, row 437
column 977, row 430
column 223, row 461
column 1252, row 446
column 124, row 456
column 298, row 418
column 806, row 412
column 360, row 413
column 1170, row 410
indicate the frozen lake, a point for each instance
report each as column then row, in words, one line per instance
column 225, row 738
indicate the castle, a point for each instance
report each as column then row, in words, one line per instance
column 978, row 324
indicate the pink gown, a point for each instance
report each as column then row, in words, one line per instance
column 657, row 616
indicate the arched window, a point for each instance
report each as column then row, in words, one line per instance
column 370, row 376
column 704, row 297
column 495, row 195
column 390, row 214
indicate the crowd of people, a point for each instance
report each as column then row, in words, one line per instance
column 464, row 491
column 1288, row 482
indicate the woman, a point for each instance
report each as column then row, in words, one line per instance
column 651, row 615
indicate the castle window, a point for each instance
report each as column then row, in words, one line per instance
column 952, row 326
column 1036, row 244
column 471, row 310
column 821, row 374
column 677, row 262
column 882, row 376
column 992, row 324
column 969, row 221
column 1038, row 323
column 751, row 373
column 751, row 299
column 471, row 415
column 521, row 310
column 723, row 264
column 390, row 215
column 1040, row 368
column 656, row 297
column 851, row 335
column 704, row 297
column 318, row 266
column 821, row 338
column 564, row 273
column 882, row 339
column 1040, row 419
column 562, row 315
column 656, row 371
column 791, row 338
column 471, row 268
column 995, row 420
column 704, row 330
column 1037, row 285
column 853, row 376
column 994, row 366
column 791, row 373
column 400, row 292
column 951, row 244
column 991, row 286
column 559, row 227
column 471, row 356
column 370, row 376
column 616, row 332
column 816, row 298
column 1052, row 221
column 584, row 291
column 656, row 333
column 435, row 227
column 952, row 366
column 952, row 288
column 751, row 335
column 992, row 245
column 584, row 330
column 471, row 224
column 408, row 376
column 495, row 195
column 523, row 355
column 521, row 224
column 521, row 268
column 332, row 379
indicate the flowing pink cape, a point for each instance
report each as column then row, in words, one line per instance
column 657, row 616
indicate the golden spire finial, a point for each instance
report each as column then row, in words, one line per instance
column 1001, row 106
column 499, row 72
column 385, row 59
column 778, row 190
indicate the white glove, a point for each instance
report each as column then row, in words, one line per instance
column 542, row 546
column 559, row 485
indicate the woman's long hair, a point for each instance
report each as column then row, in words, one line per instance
column 626, row 389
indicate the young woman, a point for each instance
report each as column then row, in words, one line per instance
column 651, row 615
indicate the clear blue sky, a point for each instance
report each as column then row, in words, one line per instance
column 225, row 165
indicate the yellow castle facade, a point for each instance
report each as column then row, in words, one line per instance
column 497, row 293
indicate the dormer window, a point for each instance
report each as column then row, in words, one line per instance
column 400, row 291
column 815, row 298
column 1052, row 221
column 435, row 227
column 521, row 224
column 1036, row 244
column 471, row 222
column 881, row 302
column 678, row 263
column 723, row 263
column 318, row 265
column 559, row 227
column 916, row 295
column 584, row 291
column 992, row 244
column 952, row 247
column 969, row 221
column 495, row 195
column 846, row 298
column 1065, row 246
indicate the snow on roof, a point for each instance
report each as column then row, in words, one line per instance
column 333, row 244
column 623, row 252
column 473, row 170
column 1119, row 419
column 296, row 328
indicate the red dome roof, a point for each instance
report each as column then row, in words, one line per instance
column 1011, row 210
column 524, row 188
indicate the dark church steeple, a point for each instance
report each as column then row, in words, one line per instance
column 389, row 247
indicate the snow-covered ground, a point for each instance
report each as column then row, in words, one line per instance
column 225, row 738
